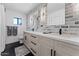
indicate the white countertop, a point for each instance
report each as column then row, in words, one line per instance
column 72, row 39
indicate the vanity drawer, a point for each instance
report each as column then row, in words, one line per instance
column 33, row 51
column 35, row 47
column 34, row 38
column 33, row 43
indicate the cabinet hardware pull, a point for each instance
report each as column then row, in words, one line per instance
column 33, row 50
column 33, row 36
column 33, row 43
column 51, row 51
column 25, row 37
column 54, row 52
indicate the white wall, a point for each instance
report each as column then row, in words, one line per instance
column 9, row 17
column 56, row 18
column 2, row 28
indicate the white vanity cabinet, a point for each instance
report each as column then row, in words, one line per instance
column 34, row 45
column 31, row 42
column 26, row 39
column 39, row 45
column 46, row 46
column 66, row 49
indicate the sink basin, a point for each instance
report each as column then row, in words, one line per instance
column 64, row 35
column 47, row 32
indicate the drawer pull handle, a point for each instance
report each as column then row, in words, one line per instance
column 54, row 52
column 25, row 37
column 33, row 50
column 33, row 36
column 51, row 52
column 33, row 43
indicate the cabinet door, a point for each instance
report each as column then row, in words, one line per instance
column 66, row 49
column 46, row 47
column 46, row 51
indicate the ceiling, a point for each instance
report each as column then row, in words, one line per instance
column 52, row 7
column 21, row 7
column 27, row 7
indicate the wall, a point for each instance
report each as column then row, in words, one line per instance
column 2, row 28
column 9, row 17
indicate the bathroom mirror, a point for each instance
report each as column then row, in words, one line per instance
column 47, row 14
column 72, row 13
column 43, row 15
column 33, row 21
column 55, row 14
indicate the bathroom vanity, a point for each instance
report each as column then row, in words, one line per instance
column 51, row 44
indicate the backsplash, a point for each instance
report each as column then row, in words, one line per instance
column 52, row 28
column 73, row 29
column 65, row 28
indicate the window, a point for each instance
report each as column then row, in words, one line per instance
column 17, row 21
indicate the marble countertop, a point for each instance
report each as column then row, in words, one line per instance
column 72, row 39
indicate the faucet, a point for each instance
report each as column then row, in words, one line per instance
column 60, row 31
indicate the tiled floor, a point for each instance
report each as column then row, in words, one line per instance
column 30, row 54
column 10, row 50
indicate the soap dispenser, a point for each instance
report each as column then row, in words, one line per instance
column 60, row 31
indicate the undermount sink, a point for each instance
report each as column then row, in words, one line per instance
column 63, row 35
column 47, row 32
